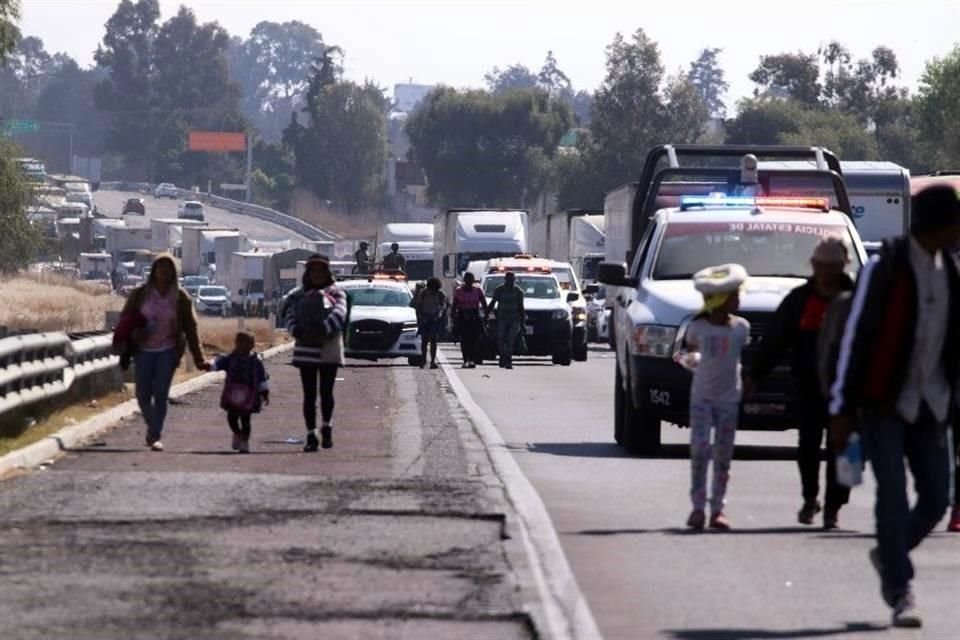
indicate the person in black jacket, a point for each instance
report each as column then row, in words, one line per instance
column 896, row 378
column 795, row 329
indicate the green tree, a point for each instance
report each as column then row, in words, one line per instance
column 478, row 148
column 9, row 33
column 272, row 67
column 789, row 75
column 341, row 155
column 553, row 80
column 938, row 110
column 771, row 121
column 19, row 240
column 68, row 96
column 707, row 77
column 516, row 76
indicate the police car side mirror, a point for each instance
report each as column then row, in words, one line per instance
column 573, row 296
column 615, row 274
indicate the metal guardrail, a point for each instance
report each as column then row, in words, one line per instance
column 284, row 220
column 41, row 366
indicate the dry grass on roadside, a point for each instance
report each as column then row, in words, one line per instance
column 217, row 334
column 50, row 302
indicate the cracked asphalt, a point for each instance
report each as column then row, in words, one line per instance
column 399, row 531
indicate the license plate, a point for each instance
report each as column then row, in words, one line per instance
column 529, row 330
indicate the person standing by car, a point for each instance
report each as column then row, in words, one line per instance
column 362, row 258
column 168, row 327
column 896, row 375
column 430, row 303
column 508, row 301
column 395, row 260
column 315, row 314
column 468, row 302
column 795, row 329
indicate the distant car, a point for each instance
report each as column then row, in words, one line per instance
column 212, row 300
column 190, row 210
column 135, row 205
column 165, row 190
column 191, row 284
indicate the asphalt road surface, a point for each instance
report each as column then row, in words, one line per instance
column 110, row 203
column 621, row 519
column 396, row 532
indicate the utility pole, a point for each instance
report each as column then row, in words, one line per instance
column 249, row 196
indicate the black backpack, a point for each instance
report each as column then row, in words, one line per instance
column 309, row 315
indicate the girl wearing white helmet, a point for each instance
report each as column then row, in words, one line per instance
column 715, row 340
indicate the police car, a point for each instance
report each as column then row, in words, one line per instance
column 773, row 238
column 569, row 284
column 382, row 323
column 548, row 329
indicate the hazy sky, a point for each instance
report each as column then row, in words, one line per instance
column 456, row 42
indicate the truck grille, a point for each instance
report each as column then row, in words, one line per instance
column 373, row 335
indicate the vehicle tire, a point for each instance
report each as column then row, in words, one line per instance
column 639, row 435
column 563, row 357
column 619, row 398
column 415, row 361
column 592, row 335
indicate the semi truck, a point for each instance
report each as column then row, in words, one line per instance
column 126, row 240
column 461, row 236
column 167, row 233
column 95, row 266
column 879, row 195
column 416, row 246
column 198, row 250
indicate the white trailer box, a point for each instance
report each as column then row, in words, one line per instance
column 94, row 264
column 124, row 238
column 246, row 275
column 198, row 249
column 167, row 233
column 224, row 246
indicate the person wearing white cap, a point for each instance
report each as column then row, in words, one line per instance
column 718, row 337
column 795, row 330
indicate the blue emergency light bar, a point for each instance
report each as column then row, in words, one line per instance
column 719, row 200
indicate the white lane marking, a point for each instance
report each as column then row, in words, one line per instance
column 566, row 611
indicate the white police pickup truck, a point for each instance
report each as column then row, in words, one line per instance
column 693, row 217
column 382, row 323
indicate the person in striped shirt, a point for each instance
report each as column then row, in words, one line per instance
column 315, row 314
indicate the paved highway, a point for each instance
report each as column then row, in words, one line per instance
column 621, row 519
column 111, row 203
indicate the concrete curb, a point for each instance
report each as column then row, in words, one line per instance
column 566, row 613
column 57, row 444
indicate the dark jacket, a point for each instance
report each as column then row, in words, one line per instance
column 878, row 339
column 247, row 370
column 795, row 329
column 331, row 352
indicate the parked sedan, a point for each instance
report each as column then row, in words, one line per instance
column 135, row 205
column 212, row 300
column 165, row 190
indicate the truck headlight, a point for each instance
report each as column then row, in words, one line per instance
column 560, row 314
column 579, row 314
column 653, row 340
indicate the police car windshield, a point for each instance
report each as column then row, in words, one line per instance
column 379, row 297
column 532, row 286
column 764, row 249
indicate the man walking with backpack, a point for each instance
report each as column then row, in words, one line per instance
column 796, row 329
column 896, row 375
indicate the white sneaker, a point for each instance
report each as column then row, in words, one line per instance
column 156, row 446
column 235, row 445
column 244, row 446
column 905, row 613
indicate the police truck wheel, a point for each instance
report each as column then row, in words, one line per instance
column 563, row 357
column 640, row 435
column 619, row 398
column 580, row 352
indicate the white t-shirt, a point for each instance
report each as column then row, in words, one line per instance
column 717, row 376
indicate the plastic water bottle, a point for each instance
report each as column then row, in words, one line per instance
column 850, row 462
